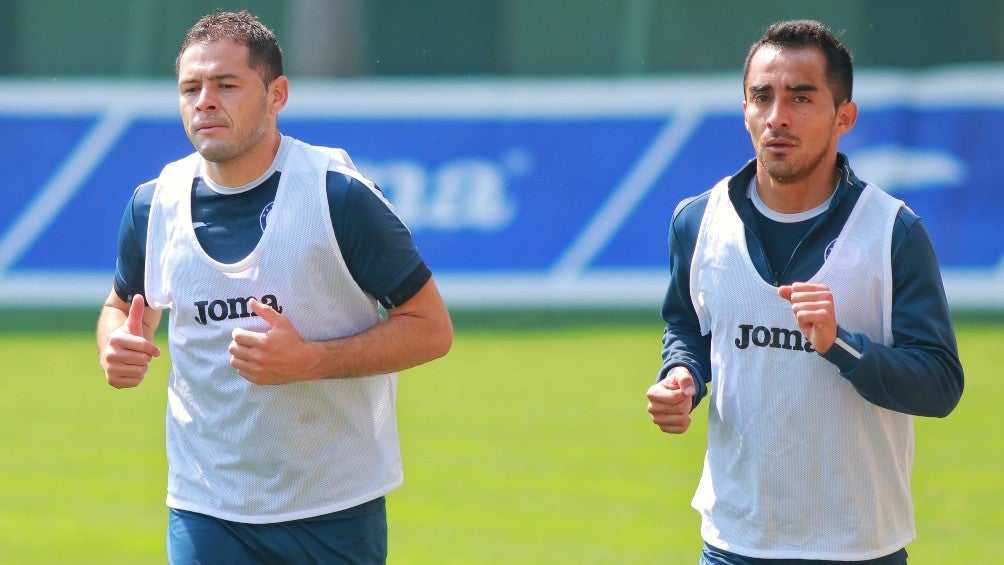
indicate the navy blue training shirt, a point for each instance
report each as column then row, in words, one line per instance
column 376, row 245
column 920, row 375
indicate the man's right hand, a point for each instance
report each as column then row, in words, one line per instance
column 127, row 354
column 671, row 400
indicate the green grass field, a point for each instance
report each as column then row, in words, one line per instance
column 528, row 444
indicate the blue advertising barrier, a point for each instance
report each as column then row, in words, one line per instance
column 543, row 193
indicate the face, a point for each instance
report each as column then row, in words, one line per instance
column 790, row 114
column 227, row 111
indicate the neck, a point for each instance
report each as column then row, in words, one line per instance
column 798, row 196
column 248, row 166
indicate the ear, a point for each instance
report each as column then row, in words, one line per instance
column 746, row 122
column 278, row 94
column 847, row 115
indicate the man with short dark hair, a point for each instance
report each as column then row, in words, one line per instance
column 273, row 256
column 812, row 303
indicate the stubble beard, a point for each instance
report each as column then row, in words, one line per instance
column 234, row 145
column 787, row 170
column 222, row 152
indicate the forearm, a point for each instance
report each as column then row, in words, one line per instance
column 395, row 344
column 923, row 380
column 682, row 342
column 109, row 320
column 417, row 332
column 690, row 350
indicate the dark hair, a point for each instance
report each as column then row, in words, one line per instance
column 796, row 34
column 264, row 53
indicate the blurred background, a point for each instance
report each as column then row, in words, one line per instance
column 500, row 38
column 536, row 148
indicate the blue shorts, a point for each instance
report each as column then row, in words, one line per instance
column 356, row 536
column 714, row 556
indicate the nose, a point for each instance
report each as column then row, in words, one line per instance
column 778, row 117
column 206, row 100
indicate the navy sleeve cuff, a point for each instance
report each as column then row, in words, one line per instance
column 846, row 351
column 408, row 288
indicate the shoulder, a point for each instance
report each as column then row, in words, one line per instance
column 343, row 180
column 906, row 218
column 907, row 230
column 688, row 216
column 689, row 212
column 338, row 160
column 345, row 189
column 141, row 199
column 691, row 209
column 337, row 157
column 907, row 226
column 686, row 224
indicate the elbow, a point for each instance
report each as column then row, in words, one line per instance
column 441, row 339
column 953, row 386
column 443, row 348
column 942, row 411
column 952, row 397
column 445, row 341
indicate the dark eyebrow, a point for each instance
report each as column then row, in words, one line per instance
column 802, row 88
column 215, row 78
column 754, row 88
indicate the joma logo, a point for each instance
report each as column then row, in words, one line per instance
column 231, row 308
column 778, row 338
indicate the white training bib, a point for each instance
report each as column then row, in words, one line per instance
column 799, row 465
column 251, row 453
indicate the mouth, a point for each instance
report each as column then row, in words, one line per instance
column 779, row 144
column 207, row 126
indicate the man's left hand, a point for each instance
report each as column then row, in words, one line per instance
column 814, row 312
column 277, row 356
